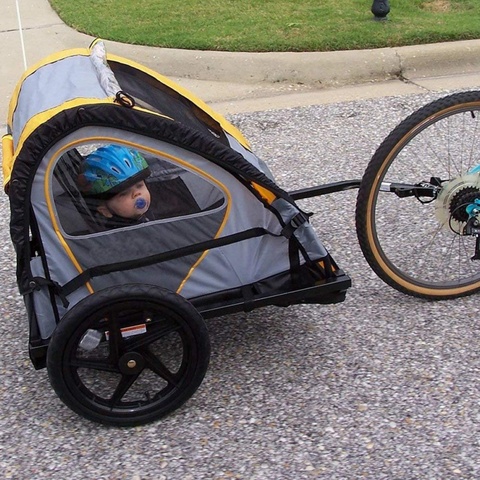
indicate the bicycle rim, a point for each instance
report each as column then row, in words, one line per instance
column 416, row 244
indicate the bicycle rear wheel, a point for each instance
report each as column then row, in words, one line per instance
column 412, row 211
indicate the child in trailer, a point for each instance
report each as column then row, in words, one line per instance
column 113, row 183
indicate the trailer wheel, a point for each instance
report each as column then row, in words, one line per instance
column 128, row 355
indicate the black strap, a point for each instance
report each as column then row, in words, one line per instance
column 247, row 294
column 294, row 258
column 37, row 282
column 99, row 270
column 124, row 99
column 296, row 221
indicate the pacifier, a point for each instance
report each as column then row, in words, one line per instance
column 140, row 203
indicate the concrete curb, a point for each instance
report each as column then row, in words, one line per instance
column 311, row 68
column 45, row 33
column 224, row 78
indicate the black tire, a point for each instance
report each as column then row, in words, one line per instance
column 128, row 380
column 421, row 248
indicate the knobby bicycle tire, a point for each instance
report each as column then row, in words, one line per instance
column 416, row 244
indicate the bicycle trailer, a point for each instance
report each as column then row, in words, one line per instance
column 117, row 315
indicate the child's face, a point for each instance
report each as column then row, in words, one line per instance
column 124, row 204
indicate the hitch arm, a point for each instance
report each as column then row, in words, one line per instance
column 325, row 189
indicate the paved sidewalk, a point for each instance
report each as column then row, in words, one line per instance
column 234, row 82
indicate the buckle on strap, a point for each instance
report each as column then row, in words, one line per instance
column 37, row 282
column 296, row 221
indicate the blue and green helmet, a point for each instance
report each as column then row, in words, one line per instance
column 111, row 169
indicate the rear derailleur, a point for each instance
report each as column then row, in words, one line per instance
column 472, row 226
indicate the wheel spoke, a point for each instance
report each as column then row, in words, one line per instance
column 93, row 364
column 415, row 248
column 159, row 368
column 154, row 357
column 123, row 387
column 115, row 340
column 156, row 331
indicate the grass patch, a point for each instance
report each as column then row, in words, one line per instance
column 271, row 25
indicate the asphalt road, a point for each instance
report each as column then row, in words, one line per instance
column 382, row 386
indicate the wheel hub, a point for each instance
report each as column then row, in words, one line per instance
column 132, row 363
column 455, row 196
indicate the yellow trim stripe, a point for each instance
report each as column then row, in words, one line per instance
column 46, row 61
column 226, row 125
column 267, row 195
column 203, row 174
column 173, row 158
column 43, row 117
column 7, row 158
column 53, row 218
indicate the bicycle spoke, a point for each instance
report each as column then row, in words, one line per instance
column 419, row 245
